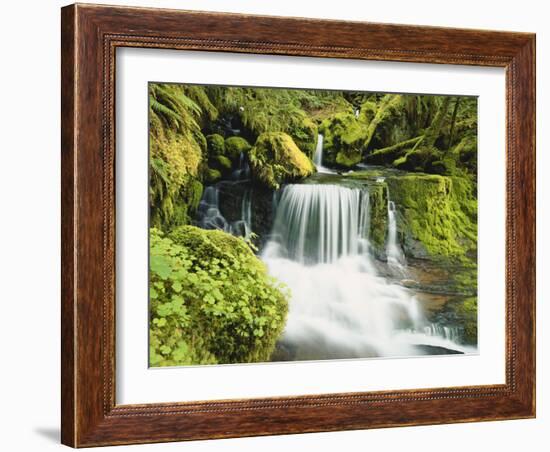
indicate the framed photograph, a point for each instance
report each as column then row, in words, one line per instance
column 280, row 225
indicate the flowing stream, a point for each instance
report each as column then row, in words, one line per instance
column 342, row 305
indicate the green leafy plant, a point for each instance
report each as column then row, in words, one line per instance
column 211, row 300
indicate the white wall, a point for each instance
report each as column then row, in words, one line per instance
column 29, row 96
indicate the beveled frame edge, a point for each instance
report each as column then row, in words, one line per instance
column 90, row 35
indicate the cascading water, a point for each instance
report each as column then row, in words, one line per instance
column 321, row 223
column 243, row 171
column 209, row 215
column 340, row 307
column 318, row 156
column 395, row 257
column 208, row 212
column 246, row 215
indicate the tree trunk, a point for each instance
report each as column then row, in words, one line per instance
column 435, row 127
column 453, row 120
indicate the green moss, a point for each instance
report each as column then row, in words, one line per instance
column 466, row 311
column 389, row 107
column 216, row 144
column 275, row 159
column 422, row 159
column 211, row 300
column 343, row 140
column 212, row 175
column 262, row 110
column 378, row 203
column 438, row 212
column 220, row 163
column 235, row 146
column 465, row 153
column 367, row 112
column 304, row 133
column 175, row 155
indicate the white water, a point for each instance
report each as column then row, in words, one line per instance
column 209, row 214
column 340, row 306
column 243, row 171
column 318, row 157
column 246, row 213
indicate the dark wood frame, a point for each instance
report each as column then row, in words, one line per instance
column 90, row 36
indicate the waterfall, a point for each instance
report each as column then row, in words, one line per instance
column 340, row 306
column 243, row 171
column 318, row 156
column 357, row 111
column 209, row 215
column 246, row 213
column 321, row 223
column 395, row 257
column 208, row 212
column 451, row 333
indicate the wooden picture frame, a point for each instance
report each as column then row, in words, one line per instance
column 90, row 36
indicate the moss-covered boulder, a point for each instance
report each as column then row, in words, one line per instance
column 212, row 175
column 343, row 140
column 235, row 146
column 276, row 159
column 304, row 132
column 212, row 300
column 215, row 144
column 221, row 164
column 437, row 215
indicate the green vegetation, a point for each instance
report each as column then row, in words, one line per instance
column 275, row 158
column 343, row 139
column 211, row 300
column 176, row 155
column 235, row 146
column 261, row 110
column 378, row 217
column 439, row 212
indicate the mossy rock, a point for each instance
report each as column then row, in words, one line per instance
column 220, row 163
column 343, row 140
column 212, row 300
column 367, row 112
column 304, row 132
column 276, row 159
column 438, row 215
column 212, row 175
column 378, row 204
column 216, row 144
column 235, row 146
